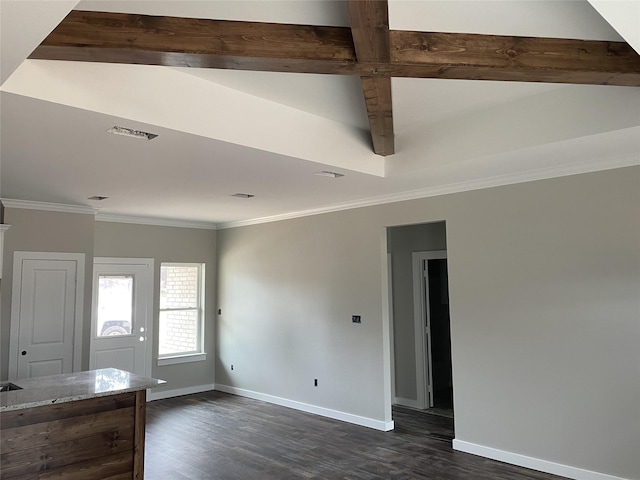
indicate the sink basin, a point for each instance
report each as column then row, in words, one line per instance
column 6, row 387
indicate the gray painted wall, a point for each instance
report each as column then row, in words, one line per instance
column 168, row 244
column 401, row 243
column 33, row 230
column 544, row 280
column 287, row 293
column 39, row 231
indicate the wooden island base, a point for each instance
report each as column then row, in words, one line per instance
column 95, row 438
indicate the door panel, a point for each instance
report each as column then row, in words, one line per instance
column 45, row 368
column 49, row 296
column 121, row 315
column 122, row 358
column 46, row 317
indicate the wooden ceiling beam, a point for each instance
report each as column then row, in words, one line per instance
column 265, row 64
column 370, row 31
column 527, row 59
column 369, row 50
column 185, row 42
column 377, row 97
column 127, row 35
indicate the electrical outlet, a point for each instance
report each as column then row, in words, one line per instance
column 315, row 382
column 232, row 366
column 355, row 318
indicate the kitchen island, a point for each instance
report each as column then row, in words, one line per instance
column 85, row 425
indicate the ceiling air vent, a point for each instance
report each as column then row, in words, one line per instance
column 129, row 132
column 326, row 173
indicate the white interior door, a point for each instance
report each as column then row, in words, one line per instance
column 427, row 331
column 122, row 314
column 46, row 314
column 422, row 326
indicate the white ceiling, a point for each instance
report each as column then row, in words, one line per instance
column 222, row 132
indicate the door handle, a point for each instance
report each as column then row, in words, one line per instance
column 24, row 352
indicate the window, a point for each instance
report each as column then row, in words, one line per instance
column 181, row 312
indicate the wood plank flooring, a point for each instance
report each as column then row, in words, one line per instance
column 214, row 435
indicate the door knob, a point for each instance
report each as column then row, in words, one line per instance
column 24, row 352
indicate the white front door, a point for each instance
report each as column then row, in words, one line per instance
column 46, row 314
column 122, row 310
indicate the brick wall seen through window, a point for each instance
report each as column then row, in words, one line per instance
column 181, row 309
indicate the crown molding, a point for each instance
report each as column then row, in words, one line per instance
column 156, row 221
column 50, row 207
column 104, row 217
column 477, row 184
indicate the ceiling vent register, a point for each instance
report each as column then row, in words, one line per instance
column 129, row 132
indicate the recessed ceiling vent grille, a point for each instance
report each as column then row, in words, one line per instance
column 129, row 132
column 326, row 173
column 243, row 195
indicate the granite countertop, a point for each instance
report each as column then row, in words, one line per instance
column 70, row 387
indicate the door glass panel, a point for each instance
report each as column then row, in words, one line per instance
column 115, row 305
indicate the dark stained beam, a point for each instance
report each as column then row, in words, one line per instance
column 370, row 30
column 377, row 96
column 125, row 36
column 526, row 59
column 521, row 73
column 184, row 42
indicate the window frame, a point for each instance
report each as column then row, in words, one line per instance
column 196, row 355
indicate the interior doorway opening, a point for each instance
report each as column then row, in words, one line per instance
column 422, row 373
column 439, row 347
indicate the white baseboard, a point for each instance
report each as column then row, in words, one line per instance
column 305, row 407
column 531, row 462
column 405, row 402
column 177, row 392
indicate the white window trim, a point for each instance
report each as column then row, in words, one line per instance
column 189, row 357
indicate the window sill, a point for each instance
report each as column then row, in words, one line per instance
column 192, row 357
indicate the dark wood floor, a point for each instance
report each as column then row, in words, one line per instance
column 214, row 435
